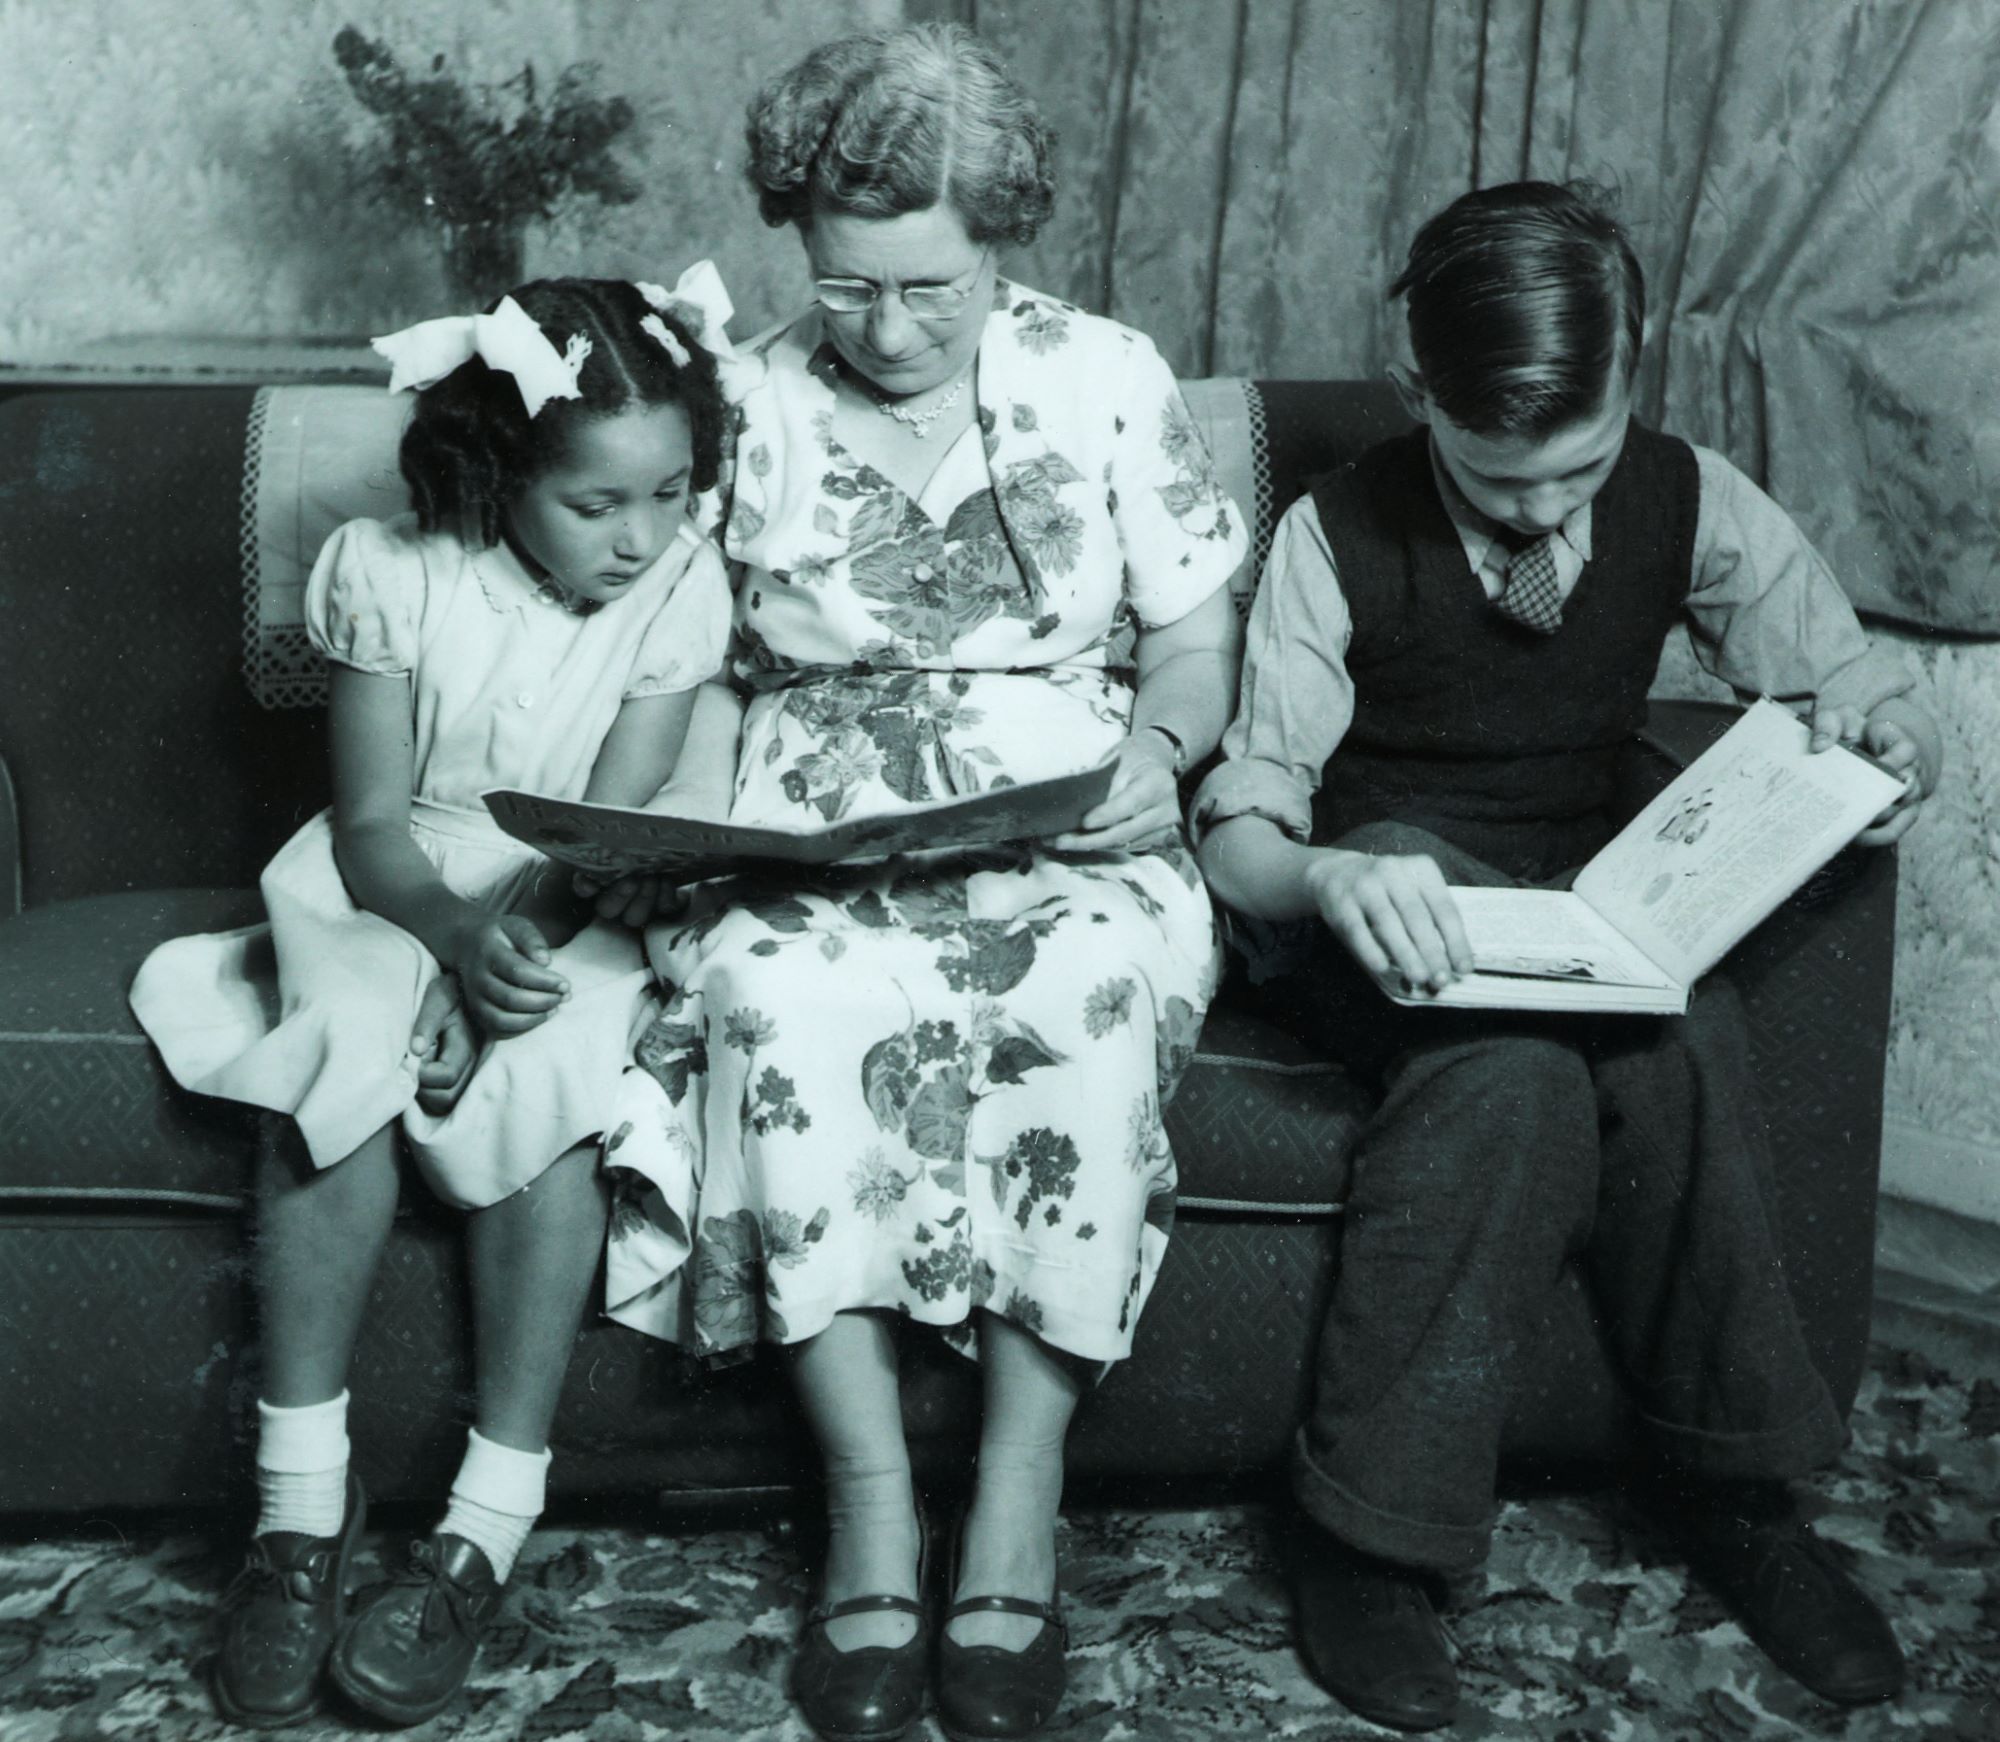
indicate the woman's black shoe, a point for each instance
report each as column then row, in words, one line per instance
column 279, row 1617
column 407, row 1650
column 987, row 1692
column 874, row 1692
column 870, row 1694
column 1369, row 1635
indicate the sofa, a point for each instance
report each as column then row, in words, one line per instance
column 160, row 739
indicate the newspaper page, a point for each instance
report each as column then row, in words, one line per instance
column 609, row 841
column 1743, row 826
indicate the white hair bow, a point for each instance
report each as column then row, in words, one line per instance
column 699, row 302
column 508, row 339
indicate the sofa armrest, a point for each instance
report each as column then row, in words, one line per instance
column 10, row 845
column 1815, row 979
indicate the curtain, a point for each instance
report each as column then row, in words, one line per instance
column 1810, row 184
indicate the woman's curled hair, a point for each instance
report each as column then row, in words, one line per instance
column 470, row 447
column 898, row 121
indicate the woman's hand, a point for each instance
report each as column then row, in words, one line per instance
column 1143, row 805
column 1395, row 914
column 633, row 901
column 503, row 968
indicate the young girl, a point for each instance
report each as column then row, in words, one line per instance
column 542, row 620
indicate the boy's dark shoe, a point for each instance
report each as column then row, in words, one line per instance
column 405, row 1654
column 279, row 1617
column 1369, row 1635
column 1790, row 1591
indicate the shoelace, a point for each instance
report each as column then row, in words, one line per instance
column 446, row 1597
column 259, row 1573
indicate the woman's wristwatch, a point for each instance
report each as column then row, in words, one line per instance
column 1180, row 749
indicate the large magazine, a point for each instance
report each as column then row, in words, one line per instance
column 1711, row 857
column 608, row 841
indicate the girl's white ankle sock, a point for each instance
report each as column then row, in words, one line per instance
column 496, row 1498
column 302, row 1467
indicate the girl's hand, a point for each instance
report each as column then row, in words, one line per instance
column 503, row 968
column 1144, row 802
column 442, row 1038
column 1395, row 914
column 633, row 901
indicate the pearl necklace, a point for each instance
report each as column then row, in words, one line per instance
column 918, row 423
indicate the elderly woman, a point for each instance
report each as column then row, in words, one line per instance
column 978, row 541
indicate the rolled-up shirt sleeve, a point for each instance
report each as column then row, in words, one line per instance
column 1296, row 699
column 1765, row 614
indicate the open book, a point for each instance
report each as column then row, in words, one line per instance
column 609, row 842
column 1710, row 858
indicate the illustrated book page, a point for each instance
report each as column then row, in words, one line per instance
column 1705, row 862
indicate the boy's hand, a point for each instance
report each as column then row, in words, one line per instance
column 1892, row 735
column 503, row 968
column 1395, row 913
column 442, row 1038
column 633, row 901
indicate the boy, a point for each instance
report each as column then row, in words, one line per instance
column 1471, row 616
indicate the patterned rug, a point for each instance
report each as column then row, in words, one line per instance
column 1583, row 1628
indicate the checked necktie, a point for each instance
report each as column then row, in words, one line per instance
column 1530, row 596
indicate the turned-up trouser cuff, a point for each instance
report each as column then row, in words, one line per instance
column 1502, row 1147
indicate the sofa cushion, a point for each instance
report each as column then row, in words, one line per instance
column 86, row 1110
column 1261, row 1123
column 142, row 758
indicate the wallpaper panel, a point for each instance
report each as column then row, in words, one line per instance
column 156, row 177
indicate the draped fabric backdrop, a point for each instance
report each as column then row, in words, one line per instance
column 1810, row 184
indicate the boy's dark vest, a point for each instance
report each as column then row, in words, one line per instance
column 1463, row 716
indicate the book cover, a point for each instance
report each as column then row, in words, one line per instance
column 610, row 841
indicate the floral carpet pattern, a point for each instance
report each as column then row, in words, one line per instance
column 1583, row 1629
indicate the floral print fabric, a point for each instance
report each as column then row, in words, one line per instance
column 934, row 1085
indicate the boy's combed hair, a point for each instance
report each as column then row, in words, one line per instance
column 1525, row 302
column 471, row 447
column 897, row 121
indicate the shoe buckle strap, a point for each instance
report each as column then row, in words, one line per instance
column 876, row 1603
column 1046, row 1612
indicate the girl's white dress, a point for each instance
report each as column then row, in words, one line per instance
column 311, row 1014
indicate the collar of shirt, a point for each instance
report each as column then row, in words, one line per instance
column 1485, row 553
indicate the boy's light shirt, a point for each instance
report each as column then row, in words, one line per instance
column 1764, row 611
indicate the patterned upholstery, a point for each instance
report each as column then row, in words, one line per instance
column 143, row 764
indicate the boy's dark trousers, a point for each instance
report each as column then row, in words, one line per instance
column 1503, row 1146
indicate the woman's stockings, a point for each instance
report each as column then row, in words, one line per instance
column 848, row 1384
column 1008, row 1548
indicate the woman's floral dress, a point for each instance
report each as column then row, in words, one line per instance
column 932, row 1085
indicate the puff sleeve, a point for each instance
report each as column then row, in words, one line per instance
column 365, row 596
column 1180, row 534
column 686, row 640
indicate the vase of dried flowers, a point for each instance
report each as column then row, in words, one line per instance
column 481, row 260
column 483, row 161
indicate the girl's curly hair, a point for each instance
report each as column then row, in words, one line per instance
column 471, row 447
column 897, row 121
